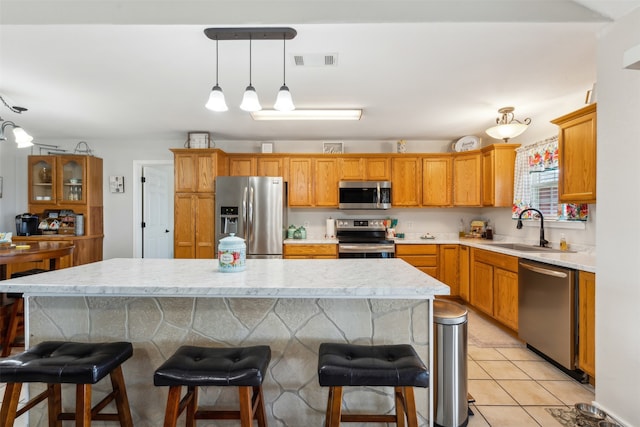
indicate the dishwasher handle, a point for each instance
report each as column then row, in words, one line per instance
column 544, row 271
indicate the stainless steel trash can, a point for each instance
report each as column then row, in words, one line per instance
column 450, row 364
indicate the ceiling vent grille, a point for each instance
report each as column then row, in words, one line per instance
column 316, row 60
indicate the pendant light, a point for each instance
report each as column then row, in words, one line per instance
column 250, row 101
column 216, row 100
column 284, row 102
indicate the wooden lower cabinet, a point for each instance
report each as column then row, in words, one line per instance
column 448, row 267
column 464, row 272
column 194, row 226
column 494, row 286
column 481, row 289
column 310, row 251
column 423, row 257
column 505, row 297
column 587, row 322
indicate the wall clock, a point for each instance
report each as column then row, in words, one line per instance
column 199, row 139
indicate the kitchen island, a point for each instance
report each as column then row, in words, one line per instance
column 291, row 305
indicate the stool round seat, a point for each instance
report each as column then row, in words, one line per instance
column 57, row 362
column 365, row 365
column 204, row 366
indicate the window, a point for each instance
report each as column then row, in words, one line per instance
column 544, row 192
column 536, row 184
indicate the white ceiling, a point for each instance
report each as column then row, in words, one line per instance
column 421, row 70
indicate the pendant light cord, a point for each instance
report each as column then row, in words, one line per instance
column 284, row 59
column 250, row 84
column 217, row 61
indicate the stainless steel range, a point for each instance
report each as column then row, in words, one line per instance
column 363, row 238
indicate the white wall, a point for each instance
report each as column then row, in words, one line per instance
column 618, row 275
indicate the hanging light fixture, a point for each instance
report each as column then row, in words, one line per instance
column 284, row 102
column 216, row 100
column 22, row 138
column 250, row 101
column 507, row 126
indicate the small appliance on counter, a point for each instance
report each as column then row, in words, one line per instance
column 27, row 224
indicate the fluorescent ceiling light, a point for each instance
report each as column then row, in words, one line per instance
column 307, row 115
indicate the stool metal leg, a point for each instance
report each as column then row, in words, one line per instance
column 122, row 400
column 10, row 404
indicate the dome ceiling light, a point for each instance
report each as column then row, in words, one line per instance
column 507, row 126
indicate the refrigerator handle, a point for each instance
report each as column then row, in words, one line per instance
column 250, row 214
column 244, row 212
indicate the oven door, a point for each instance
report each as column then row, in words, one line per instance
column 366, row 250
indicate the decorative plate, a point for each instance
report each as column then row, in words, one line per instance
column 466, row 143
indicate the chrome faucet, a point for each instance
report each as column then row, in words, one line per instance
column 543, row 242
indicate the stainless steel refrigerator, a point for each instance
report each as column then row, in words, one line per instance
column 255, row 209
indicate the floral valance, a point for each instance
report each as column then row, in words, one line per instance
column 531, row 159
column 543, row 155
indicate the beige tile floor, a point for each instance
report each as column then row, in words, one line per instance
column 512, row 385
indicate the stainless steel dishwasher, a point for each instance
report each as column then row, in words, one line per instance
column 547, row 310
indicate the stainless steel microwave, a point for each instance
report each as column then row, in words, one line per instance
column 365, row 195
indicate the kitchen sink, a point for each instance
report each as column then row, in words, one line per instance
column 527, row 248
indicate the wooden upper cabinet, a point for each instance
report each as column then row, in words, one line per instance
column 577, row 156
column 326, row 182
column 242, row 165
column 351, row 168
column 195, row 169
column 365, row 168
column 406, row 181
column 377, row 169
column 436, row 180
column 271, row 166
column 300, row 182
column 498, row 167
column 467, row 169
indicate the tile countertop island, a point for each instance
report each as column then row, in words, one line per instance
column 292, row 305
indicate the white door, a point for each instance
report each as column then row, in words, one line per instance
column 157, row 211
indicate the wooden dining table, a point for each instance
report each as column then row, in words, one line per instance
column 17, row 258
column 57, row 254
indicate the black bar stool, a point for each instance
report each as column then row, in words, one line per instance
column 15, row 323
column 397, row 366
column 57, row 362
column 193, row 367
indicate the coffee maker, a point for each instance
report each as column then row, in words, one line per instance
column 27, row 224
